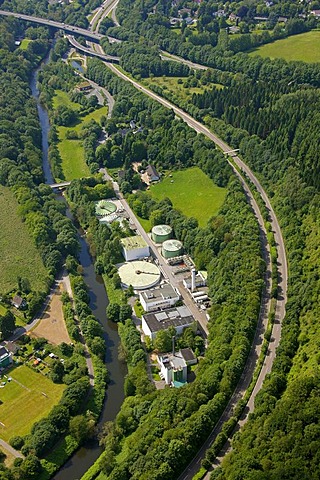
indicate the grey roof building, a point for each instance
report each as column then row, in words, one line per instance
column 177, row 317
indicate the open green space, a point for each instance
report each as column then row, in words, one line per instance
column 26, row 399
column 192, row 192
column 304, row 47
column 175, row 85
column 24, row 44
column 19, row 256
column 71, row 151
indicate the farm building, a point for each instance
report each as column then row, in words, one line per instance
column 177, row 317
column 164, row 296
column 134, row 248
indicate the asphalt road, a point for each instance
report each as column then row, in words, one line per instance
column 169, row 56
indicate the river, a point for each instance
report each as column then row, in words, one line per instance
column 81, row 460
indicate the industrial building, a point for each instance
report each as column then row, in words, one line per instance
column 164, row 296
column 171, row 248
column 140, row 274
column 195, row 280
column 134, row 248
column 174, row 366
column 161, row 233
column 177, row 317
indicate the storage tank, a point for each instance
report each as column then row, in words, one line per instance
column 172, row 248
column 161, row 233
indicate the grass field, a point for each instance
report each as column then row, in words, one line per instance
column 24, row 402
column 24, row 44
column 192, row 192
column 19, row 256
column 71, row 151
column 172, row 85
column 304, row 47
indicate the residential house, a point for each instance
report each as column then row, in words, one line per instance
column 152, row 174
column 5, row 358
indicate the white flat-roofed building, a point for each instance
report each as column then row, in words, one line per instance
column 177, row 317
column 159, row 298
column 134, row 248
column 174, row 366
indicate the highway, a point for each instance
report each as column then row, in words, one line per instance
column 174, row 58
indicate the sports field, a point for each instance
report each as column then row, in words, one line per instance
column 71, row 151
column 19, row 256
column 192, row 192
column 304, row 47
column 26, row 399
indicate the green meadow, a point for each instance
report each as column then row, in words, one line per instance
column 26, row 399
column 304, row 47
column 192, row 192
column 19, row 256
column 71, row 151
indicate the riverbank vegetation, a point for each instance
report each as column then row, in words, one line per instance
column 76, row 122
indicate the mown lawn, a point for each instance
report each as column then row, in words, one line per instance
column 24, row 44
column 19, row 256
column 71, row 151
column 304, row 47
column 192, row 192
column 24, row 402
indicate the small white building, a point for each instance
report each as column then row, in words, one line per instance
column 159, row 298
column 177, row 317
column 134, row 248
column 174, row 366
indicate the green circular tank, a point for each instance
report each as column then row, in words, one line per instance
column 172, row 248
column 161, row 233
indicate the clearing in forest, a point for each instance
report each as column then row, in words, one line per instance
column 27, row 398
column 303, row 47
column 177, row 86
column 19, row 256
column 71, row 150
column 192, row 192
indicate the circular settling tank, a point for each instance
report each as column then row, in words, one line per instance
column 105, row 207
column 172, row 248
column 139, row 274
column 161, row 233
